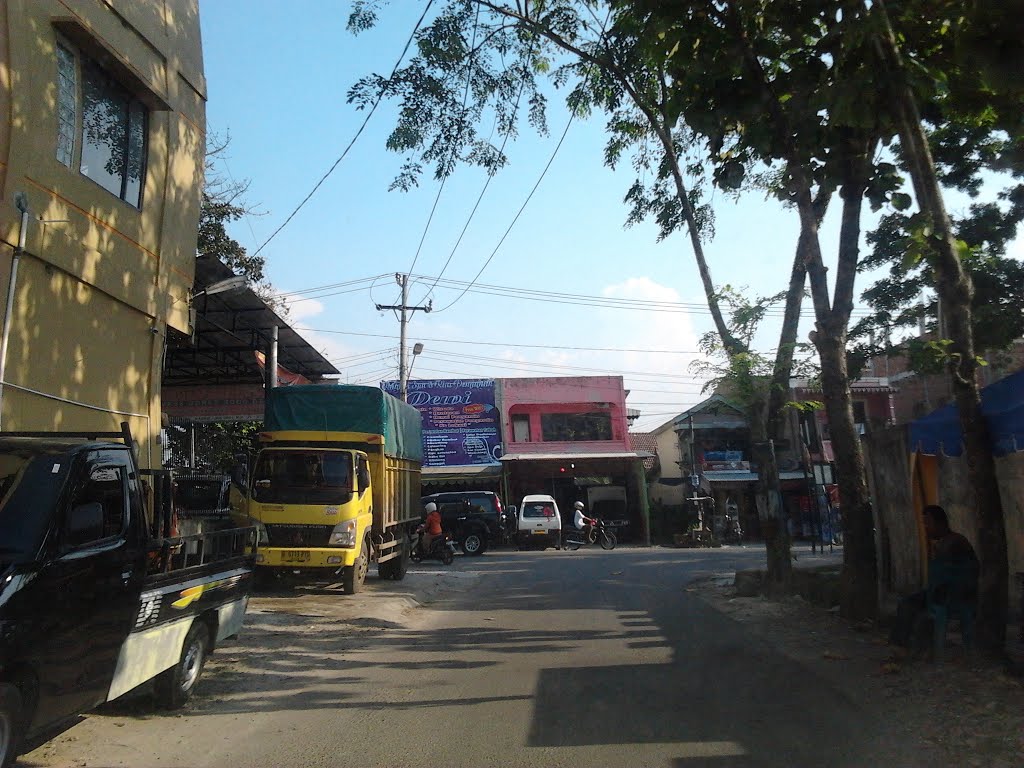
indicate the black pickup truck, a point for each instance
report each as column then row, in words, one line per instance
column 98, row 593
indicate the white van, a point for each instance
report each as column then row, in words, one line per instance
column 540, row 524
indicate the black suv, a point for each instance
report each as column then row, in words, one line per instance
column 476, row 519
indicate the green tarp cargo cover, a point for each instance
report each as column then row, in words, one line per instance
column 343, row 408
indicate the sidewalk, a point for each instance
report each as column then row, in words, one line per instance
column 966, row 712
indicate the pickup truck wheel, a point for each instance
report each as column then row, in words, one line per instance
column 10, row 724
column 474, row 543
column 353, row 576
column 175, row 686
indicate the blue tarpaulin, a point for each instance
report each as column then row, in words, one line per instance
column 1002, row 403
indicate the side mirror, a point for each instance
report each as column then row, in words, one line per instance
column 512, row 511
column 85, row 523
column 364, row 480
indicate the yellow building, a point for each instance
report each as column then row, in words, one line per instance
column 102, row 123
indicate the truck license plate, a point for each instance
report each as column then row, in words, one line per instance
column 295, row 556
column 535, row 533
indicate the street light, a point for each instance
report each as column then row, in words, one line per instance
column 231, row 284
column 417, row 348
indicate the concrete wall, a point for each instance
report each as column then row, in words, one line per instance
column 669, row 453
column 570, row 394
column 101, row 279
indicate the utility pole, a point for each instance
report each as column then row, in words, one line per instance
column 403, row 309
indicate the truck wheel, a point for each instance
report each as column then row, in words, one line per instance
column 401, row 562
column 396, row 567
column 10, row 724
column 474, row 543
column 353, row 576
column 175, row 686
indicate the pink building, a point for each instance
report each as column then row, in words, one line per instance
column 569, row 437
column 579, row 414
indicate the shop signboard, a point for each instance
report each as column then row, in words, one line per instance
column 460, row 420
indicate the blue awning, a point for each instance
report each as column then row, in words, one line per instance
column 1002, row 403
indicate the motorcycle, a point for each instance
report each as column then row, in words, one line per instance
column 441, row 548
column 600, row 534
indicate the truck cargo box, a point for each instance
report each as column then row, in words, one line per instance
column 344, row 408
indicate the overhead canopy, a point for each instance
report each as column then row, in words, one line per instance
column 460, row 472
column 1002, row 404
column 574, row 456
column 230, row 327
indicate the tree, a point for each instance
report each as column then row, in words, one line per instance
column 930, row 54
column 783, row 83
column 478, row 57
column 223, row 203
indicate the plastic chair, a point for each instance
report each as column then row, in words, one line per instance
column 952, row 593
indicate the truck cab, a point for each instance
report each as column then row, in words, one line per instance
column 313, row 505
column 96, row 596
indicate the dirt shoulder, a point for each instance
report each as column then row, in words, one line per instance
column 965, row 711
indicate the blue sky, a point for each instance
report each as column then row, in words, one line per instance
column 277, row 77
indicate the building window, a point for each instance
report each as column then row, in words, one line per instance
column 67, row 105
column 521, row 428
column 103, row 123
column 860, row 417
column 576, row 427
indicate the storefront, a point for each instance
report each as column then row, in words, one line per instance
column 611, row 485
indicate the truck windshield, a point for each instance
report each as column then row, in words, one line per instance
column 30, row 484
column 302, row 477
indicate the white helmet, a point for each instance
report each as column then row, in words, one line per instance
column 578, row 505
column 431, row 507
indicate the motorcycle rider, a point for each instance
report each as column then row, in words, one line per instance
column 584, row 523
column 430, row 529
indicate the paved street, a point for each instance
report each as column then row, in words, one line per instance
column 522, row 659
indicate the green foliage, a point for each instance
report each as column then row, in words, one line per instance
column 222, row 204
column 745, row 377
column 216, row 444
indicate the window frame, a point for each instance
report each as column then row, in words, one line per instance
column 133, row 100
column 98, row 460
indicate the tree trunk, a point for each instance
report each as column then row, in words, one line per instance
column 955, row 291
column 769, row 502
column 859, row 596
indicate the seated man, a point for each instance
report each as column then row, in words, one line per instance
column 952, row 560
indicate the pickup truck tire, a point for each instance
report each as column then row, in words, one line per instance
column 474, row 542
column 174, row 687
column 353, row 576
column 10, row 724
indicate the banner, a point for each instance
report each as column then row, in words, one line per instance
column 460, row 420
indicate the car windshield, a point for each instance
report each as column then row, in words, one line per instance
column 30, row 484
column 302, row 477
column 538, row 509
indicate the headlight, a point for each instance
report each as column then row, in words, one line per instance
column 343, row 535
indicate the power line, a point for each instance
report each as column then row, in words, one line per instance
column 519, row 213
column 483, row 191
column 455, row 144
column 675, row 378
column 512, row 344
column 573, row 299
column 373, row 108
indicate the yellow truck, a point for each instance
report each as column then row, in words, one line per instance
column 335, row 484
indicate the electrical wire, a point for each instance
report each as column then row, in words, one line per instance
column 483, row 191
column 373, row 108
column 455, row 144
column 515, row 219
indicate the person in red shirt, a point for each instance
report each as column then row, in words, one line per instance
column 431, row 527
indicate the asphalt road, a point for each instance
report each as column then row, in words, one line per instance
column 586, row 658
